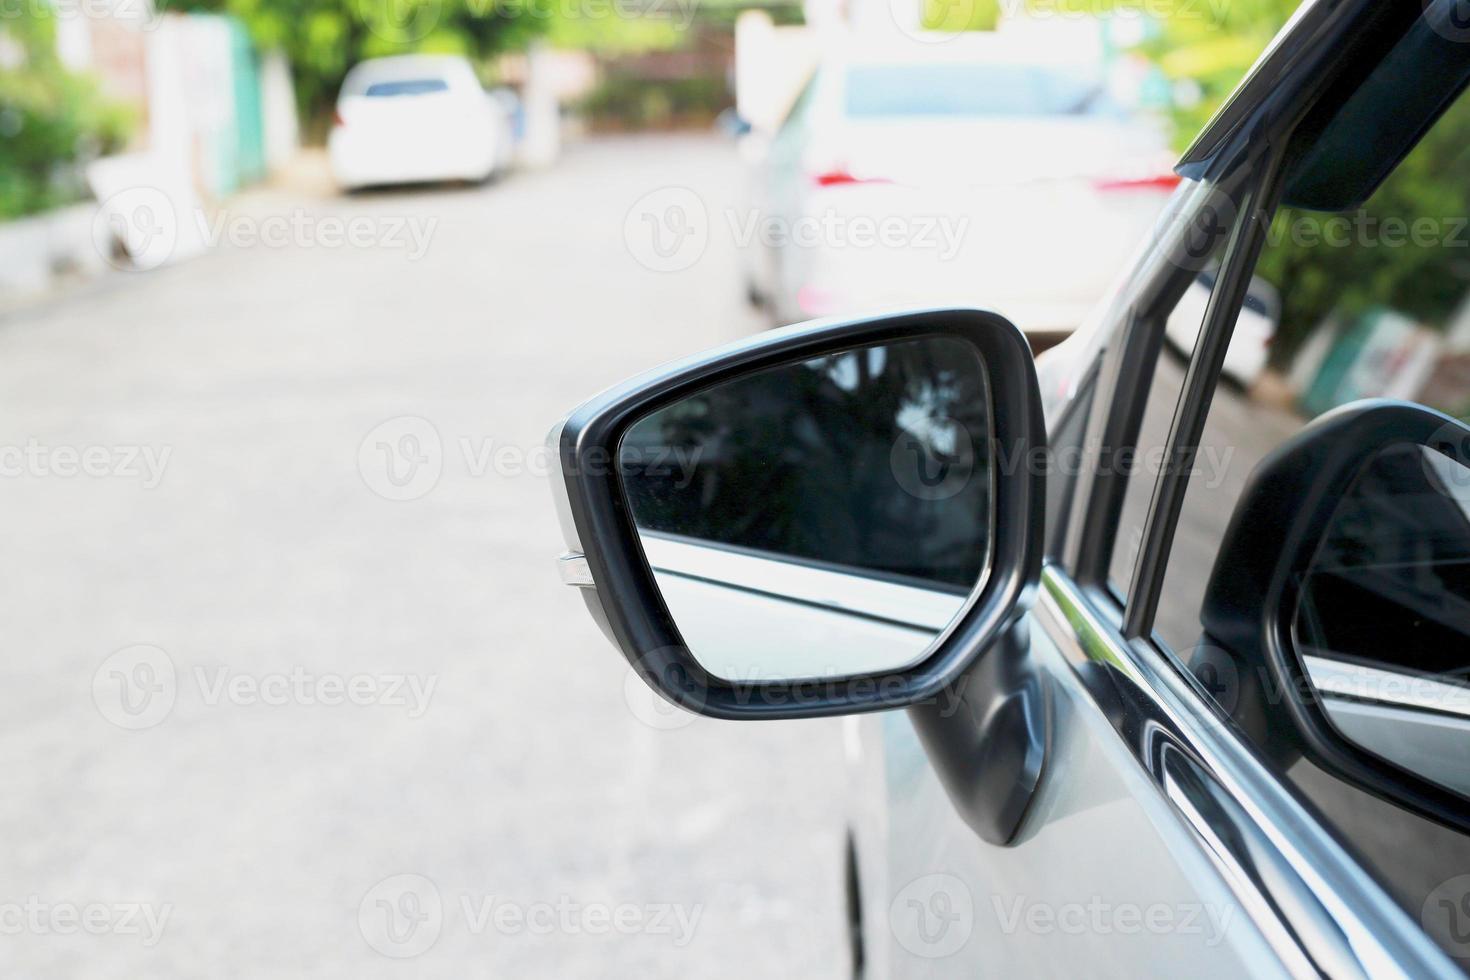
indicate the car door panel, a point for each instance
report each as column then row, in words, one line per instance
column 1104, row 873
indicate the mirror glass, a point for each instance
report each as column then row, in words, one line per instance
column 1384, row 621
column 822, row 518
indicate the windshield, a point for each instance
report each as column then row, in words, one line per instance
column 876, row 91
column 406, row 86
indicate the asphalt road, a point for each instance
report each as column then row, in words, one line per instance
column 290, row 684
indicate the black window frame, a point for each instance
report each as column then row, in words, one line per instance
column 1251, row 155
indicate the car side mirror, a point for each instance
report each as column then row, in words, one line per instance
column 1344, row 587
column 829, row 518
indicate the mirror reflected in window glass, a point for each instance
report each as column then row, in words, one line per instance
column 1384, row 619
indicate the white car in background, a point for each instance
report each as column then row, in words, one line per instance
column 417, row 118
column 1255, row 326
column 971, row 158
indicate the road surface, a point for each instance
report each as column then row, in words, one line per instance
column 291, row 686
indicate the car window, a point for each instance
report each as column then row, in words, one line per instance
column 1370, row 303
column 1141, row 468
column 406, row 86
column 1164, row 383
column 876, row 91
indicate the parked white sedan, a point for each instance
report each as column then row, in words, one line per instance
column 417, row 118
column 1255, row 326
column 912, row 174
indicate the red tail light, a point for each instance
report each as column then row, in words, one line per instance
column 1155, row 182
column 816, row 301
column 840, row 176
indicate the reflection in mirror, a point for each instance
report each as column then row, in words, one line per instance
column 1384, row 620
column 819, row 519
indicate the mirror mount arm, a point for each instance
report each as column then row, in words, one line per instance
column 987, row 736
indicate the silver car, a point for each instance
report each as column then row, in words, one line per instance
column 1145, row 674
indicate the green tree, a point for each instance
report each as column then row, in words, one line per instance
column 51, row 120
column 1209, row 46
column 1212, row 47
column 324, row 38
column 1342, row 266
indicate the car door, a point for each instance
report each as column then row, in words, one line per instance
column 1090, row 775
column 1111, row 870
column 1168, row 837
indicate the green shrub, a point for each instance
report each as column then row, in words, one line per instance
column 52, row 121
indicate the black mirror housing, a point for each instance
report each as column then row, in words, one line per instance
column 606, row 558
column 1260, row 581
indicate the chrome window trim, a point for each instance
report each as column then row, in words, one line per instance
column 1313, row 901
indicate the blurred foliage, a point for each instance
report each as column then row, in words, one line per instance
column 1208, row 46
column 1334, row 267
column 625, row 101
column 628, row 36
column 325, row 38
column 52, row 121
column 959, row 15
column 1346, row 264
column 1204, row 47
